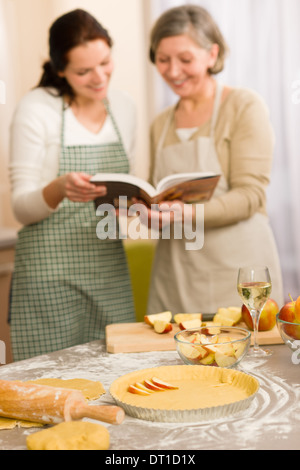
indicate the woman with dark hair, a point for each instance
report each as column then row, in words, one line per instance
column 211, row 128
column 68, row 284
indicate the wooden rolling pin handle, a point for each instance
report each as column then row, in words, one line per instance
column 106, row 413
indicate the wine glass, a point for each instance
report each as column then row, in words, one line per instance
column 254, row 287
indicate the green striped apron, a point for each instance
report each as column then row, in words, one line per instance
column 68, row 284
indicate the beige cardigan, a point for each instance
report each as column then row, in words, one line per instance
column 244, row 142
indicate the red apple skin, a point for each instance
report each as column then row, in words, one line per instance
column 292, row 331
column 288, row 313
column 168, row 328
column 297, row 310
column 267, row 319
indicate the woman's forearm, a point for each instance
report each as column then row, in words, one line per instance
column 54, row 193
column 74, row 186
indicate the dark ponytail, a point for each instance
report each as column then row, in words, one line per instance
column 70, row 30
column 50, row 79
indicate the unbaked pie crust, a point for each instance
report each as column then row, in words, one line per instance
column 203, row 393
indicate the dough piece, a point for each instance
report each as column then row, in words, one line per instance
column 6, row 423
column 11, row 423
column 90, row 389
column 71, row 435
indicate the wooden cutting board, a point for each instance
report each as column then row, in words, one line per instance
column 140, row 337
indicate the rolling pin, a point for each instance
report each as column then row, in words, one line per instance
column 51, row 405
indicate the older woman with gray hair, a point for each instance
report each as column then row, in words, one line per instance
column 217, row 128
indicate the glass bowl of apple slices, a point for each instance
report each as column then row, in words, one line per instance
column 213, row 345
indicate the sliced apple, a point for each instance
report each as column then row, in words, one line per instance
column 182, row 317
column 149, row 384
column 180, row 337
column 198, row 338
column 163, row 384
column 225, row 339
column 138, row 391
column 202, row 352
column 228, row 316
column 186, row 324
column 211, row 348
column 223, row 320
column 190, row 351
column 218, row 350
column 150, row 319
column 239, row 349
column 209, row 359
column 226, row 349
column 235, row 311
column 162, row 326
column 143, row 387
column 207, row 330
column 214, row 339
column 193, row 338
column 223, row 360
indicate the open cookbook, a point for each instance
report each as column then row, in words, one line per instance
column 187, row 187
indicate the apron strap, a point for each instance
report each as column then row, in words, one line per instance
column 217, row 103
column 165, row 130
column 62, row 130
column 107, row 107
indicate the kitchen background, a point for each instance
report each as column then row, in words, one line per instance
column 264, row 40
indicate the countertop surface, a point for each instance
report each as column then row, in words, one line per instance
column 271, row 422
column 8, row 237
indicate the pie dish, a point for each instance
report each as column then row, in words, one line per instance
column 203, row 393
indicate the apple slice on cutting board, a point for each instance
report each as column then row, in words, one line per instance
column 162, row 326
column 165, row 316
column 183, row 317
column 228, row 316
column 186, row 324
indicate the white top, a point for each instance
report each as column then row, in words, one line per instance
column 36, row 140
column 185, row 133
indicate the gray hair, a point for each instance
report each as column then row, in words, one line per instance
column 197, row 23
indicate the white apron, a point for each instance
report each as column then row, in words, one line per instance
column 205, row 279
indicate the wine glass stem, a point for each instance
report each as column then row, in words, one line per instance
column 255, row 317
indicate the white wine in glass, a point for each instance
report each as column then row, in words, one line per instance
column 254, row 287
